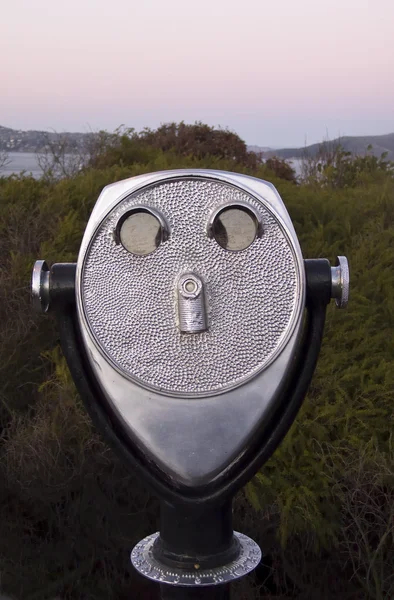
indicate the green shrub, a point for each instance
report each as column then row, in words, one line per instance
column 323, row 503
column 334, row 167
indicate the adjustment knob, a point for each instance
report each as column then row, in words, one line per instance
column 340, row 282
column 40, row 286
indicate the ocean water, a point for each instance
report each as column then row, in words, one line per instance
column 27, row 161
column 21, row 161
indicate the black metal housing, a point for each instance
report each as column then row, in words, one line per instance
column 318, row 280
column 62, row 285
column 196, row 525
column 253, row 458
column 318, row 273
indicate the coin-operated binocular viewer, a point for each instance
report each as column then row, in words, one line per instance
column 192, row 326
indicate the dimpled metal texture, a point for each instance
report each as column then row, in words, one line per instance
column 130, row 302
column 143, row 560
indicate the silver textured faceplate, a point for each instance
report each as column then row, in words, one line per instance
column 191, row 402
column 130, row 302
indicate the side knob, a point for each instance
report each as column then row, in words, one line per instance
column 40, row 286
column 340, row 282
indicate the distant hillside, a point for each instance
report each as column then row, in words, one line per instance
column 353, row 144
column 260, row 149
column 13, row 140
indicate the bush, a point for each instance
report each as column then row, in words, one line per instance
column 321, row 508
column 334, row 167
column 281, row 168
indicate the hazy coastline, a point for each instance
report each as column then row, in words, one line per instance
column 27, row 162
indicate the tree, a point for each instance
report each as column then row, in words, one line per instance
column 4, row 159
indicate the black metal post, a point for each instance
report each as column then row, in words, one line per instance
column 196, row 537
column 193, row 538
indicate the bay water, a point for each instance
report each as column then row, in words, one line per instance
column 19, row 162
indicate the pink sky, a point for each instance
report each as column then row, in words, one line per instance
column 276, row 73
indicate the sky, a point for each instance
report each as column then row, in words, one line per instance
column 278, row 73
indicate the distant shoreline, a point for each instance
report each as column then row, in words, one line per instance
column 18, row 141
column 20, row 162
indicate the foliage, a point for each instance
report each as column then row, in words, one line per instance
column 281, row 168
column 4, row 159
column 321, row 508
column 199, row 140
column 334, row 167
